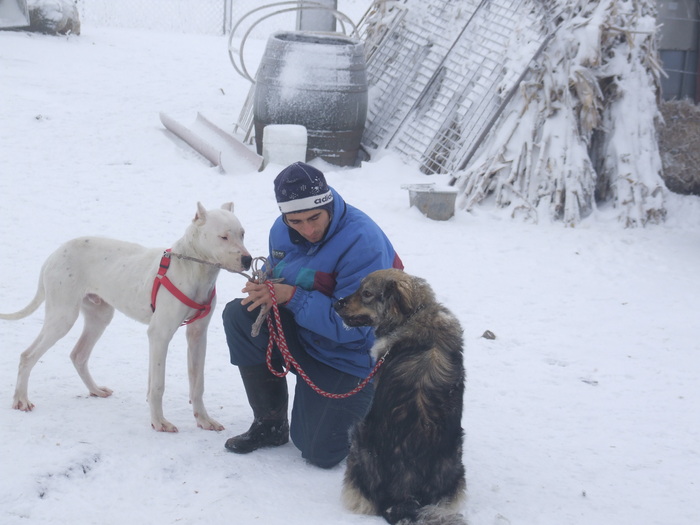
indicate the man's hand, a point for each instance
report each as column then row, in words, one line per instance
column 259, row 295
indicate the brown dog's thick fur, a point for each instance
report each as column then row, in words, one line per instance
column 405, row 459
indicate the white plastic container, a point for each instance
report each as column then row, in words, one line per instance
column 284, row 144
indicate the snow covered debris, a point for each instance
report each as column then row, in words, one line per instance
column 54, row 17
column 581, row 131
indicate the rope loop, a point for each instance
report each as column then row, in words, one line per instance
column 274, row 326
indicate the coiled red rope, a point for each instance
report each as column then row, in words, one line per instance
column 277, row 338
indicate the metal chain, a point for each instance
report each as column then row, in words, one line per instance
column 193, row 259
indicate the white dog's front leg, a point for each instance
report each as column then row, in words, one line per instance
column 196, row 355
column 158, row 338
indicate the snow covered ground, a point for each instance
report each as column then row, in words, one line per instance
column 585, row 409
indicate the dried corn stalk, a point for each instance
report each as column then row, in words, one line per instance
column 581, row 130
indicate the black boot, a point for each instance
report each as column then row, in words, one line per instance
column 267, row 395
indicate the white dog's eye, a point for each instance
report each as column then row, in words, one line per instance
column 223, row 237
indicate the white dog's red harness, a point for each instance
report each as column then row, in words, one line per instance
column 202, row 309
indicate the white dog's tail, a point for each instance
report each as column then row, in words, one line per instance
column 31, row 307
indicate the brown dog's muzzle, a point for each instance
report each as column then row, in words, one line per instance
column 345, row 311
column 339, row 304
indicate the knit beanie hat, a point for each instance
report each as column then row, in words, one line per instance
column 300, row 187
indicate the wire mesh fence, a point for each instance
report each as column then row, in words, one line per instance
column 186, row 16
column 215, row 17
column 440, row 76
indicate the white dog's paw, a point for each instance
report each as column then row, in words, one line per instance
column 208, row 423
column 163, row 426
column 101, row 391
column 22, row 404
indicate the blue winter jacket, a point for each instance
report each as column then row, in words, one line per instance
column 326, row 271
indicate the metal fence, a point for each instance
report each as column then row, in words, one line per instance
column 443, row 72
column 214, row 17
column 186, row 16
column 679, row 48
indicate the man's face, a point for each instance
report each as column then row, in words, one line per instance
column 311, row 224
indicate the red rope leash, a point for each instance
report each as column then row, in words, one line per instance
column 277, row 337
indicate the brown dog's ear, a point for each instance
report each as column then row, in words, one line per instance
column 402, row 295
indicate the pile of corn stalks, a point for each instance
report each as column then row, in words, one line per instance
column 580, row 134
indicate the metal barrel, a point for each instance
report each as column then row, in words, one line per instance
column 319, row 81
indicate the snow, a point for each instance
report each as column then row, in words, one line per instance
column 584, row 410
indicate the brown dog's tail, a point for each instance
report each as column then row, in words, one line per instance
column 411, row 513
column 31, row 307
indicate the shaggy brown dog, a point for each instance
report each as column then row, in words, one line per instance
column 405, row 459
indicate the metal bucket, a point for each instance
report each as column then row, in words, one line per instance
column 433, row 202
column 319, row 81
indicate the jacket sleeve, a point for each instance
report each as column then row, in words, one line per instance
column 314, row 311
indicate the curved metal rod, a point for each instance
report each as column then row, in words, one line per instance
column 300, row 4
column 243, row 71
column 341, row 17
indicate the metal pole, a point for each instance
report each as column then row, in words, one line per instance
column 317, row 19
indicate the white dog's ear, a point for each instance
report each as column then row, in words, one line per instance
column 201, row 215
column 228, row 206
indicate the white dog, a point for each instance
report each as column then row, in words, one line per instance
column 97, row 275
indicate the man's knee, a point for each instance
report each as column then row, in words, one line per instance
column 321, row 430
column 235, row 314
column 244, row 349
column 230, row 313
column 325, row 453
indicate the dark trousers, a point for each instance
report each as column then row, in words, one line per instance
column 319, row 425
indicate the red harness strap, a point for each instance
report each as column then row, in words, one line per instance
column 202, row 309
